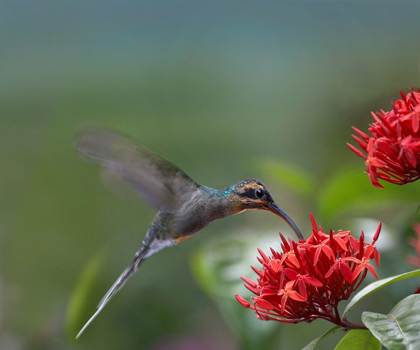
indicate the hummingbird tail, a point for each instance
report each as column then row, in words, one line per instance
column 152, row 243
column 119, row 283
column 122, row 280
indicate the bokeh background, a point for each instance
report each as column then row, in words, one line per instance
column 226, row 90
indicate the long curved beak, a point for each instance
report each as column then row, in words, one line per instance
column 274, row 208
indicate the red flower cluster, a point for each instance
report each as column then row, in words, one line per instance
column 393, row 151
column 415, row 243
column 309, row 278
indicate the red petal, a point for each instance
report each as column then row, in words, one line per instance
column 415, row 121
column 378, row 230
column 313, row 281
column 376, row 162
column 381, row 123
column 360, row 133
column 356, row 151
column 372, row 271
column 346, row 272
column 331, row 270
column 286, row 244
column 264, row 304
column 281, row 278
column 289, row 285
column 374, row 181
column 275, row 265
column 341, row 243
column 250, row 282
column 302, row 289
column 283, row 302
column 242, row 301
column 354, row 243
column 293, row 260
column 350, row 258
column 362, row 237
column 410, row 157
column 256, row 291
column 357, row 272
column 404, row 96
column 268, row 291
column 258, row 272
column 399, row 129
column 361, row 143
column 377, row 257
column 317, row 252
column 369, row 251
column 313, row 222
column 291, row 274
column 328, row 251
column 263, row 255
column 296, row 296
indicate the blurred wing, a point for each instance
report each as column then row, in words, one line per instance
column 157, row 179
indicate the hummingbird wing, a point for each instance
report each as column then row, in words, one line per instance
column 161, row 182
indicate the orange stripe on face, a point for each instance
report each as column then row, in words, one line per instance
column 253, row 185
column 244, row 201
column 257, row 201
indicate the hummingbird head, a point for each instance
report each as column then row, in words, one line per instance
column 251, row 194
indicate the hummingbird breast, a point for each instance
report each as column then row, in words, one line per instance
column 197, row 212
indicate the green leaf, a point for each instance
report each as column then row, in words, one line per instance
column 351, row 190
column 77, row 309
column 294, row 177
column 400, row 329
column 217, row 268
column 359, row 339
column 375, row 286
column 316, row 341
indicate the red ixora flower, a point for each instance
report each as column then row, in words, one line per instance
column 309, row 278
column 392, row 153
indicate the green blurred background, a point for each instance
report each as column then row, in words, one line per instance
column 224, row 89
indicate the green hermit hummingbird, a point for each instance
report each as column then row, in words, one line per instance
column 184, row 207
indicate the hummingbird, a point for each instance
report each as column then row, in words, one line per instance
column 183, row 206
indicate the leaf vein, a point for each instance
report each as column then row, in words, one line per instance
column 366, row 345
column 399, row 327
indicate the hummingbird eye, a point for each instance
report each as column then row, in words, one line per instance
column 259, row 193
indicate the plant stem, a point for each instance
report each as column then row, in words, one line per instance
column 349, row 325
